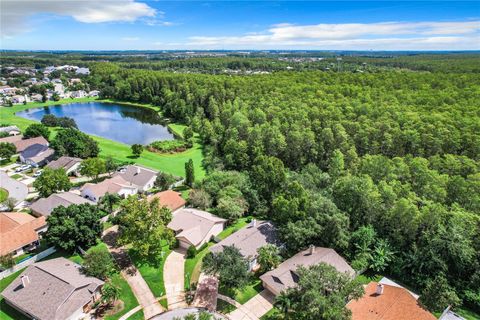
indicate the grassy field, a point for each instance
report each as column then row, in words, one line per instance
column 171, row 163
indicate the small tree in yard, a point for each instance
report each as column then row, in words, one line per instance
column 269, row 257
column 93, row 167
column 137, row 150
column 110, row 293
column 199, row 198
column 7, row 150
column 108, row 201
column 52, row 181
column 98, row 262
column 229, row 265
column 7, row 261
column 164, row 181
column 189, row 173
column 36, row 130
column 191, row 251
column 76, row 225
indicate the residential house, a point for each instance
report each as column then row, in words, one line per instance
column 170, row 199
column 58, row 87
column 11, row 130
column 16, row 189
column 118, row 185
column 195, row 227
column 140, row 177
column 82, row 71
column 45, row 206
column 19, row 232
column 448, row 314
column 249, row 239
column 37, row 155
column 37, row 97
column 383, row 301
column 71, row 165
column 285, row 275
column 17, row 99
column 55, row 289
column 22, row 144
column 94, row 93
column 78, row 94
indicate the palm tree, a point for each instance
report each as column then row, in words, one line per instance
column 283, row 303
column 110, row 293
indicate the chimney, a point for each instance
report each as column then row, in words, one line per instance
column 25, row 281
column 311, row 249
column 379, row 290
column 138, row 170
column 254, row 223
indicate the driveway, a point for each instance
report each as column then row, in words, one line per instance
column 254, row 308
column 142, row 292
column 173, row 276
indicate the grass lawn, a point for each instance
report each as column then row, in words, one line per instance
column 243, row 295
column 271, row 314
column 3, row 194
column 367, row 278
column 7, row 312
column 171, row 163
column 240, row 223
column 126, row 295
column 6, row 162
column 153, row 275
column 137, row 315
column 224, row 307
column 16, row 176
column 193, row 265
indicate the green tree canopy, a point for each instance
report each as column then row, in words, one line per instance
column 52, row 181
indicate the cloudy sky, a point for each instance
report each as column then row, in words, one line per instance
column 158, row 25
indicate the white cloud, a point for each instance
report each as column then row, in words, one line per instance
column 360, row 36
column 15, row 13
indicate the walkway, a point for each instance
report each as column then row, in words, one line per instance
column 142, row 292
column 253, row 309
column 173, row 275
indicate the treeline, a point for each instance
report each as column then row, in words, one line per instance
column 383, row 167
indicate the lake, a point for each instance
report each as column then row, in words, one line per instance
column 116, row 122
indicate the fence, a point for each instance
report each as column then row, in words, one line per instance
column 26, row 263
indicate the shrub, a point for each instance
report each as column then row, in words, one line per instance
column 168, row 146
column 191, row 252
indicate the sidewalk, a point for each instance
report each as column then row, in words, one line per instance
column 142, row 292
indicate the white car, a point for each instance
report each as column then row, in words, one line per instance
column 37, row 174
column 23, row 168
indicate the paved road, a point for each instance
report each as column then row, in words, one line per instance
column 142, row 292
column 173, row 275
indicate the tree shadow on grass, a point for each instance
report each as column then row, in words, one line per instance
column 11, row 312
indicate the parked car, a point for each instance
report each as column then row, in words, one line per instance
column 23, row 168
column 37, row 174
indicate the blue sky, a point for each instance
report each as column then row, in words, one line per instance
column 158, row 25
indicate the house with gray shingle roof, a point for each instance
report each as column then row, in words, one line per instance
column 37, row 155
column 45, row 206
column 71, row 165
column 285, row 275
column 142, row 178
column 249, row 239
column 53, row 290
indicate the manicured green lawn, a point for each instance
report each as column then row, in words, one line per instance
column 137, row 315
column 224, row 307
column 16, row 176
column 3, row 194
column 243, row 295
column 171, row 163
column 193, row 266
column 240, row 223
column 7, row 312
column 153, row 274
column 126, row 295
column 271, row 314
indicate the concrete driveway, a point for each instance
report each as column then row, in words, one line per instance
column 173, row 276
column 254, row 308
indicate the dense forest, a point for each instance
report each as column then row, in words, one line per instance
column 382, row 166
column 380, row 161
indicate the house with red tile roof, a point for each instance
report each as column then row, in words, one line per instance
column 170, row 199
column 387, row 302
column 19, row 232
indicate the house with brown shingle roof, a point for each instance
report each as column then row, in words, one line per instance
column 285, row 275
column 249, row 239
column 116, row 184
column 45, row 206
column 19, row 232
column 71, row 165
column 387, row 302
column 22, row 144
column 170, row 199
column 55, row 289
column 140, row 177
column 195, row 227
